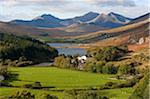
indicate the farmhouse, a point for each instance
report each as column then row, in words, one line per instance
column 82, row 59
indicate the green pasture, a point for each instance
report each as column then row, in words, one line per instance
column 6, row 91
column 58, row 78
column 122, row 93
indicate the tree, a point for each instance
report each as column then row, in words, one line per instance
column 141, row 89
column 90, row 66
column 110, row 53
column 24, row 49
column 126, row 69
column 99, row 66
column 63, row 62
column 109, row 68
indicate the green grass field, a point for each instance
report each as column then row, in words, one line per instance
column 122, row 93
column 5, row 92
column 59, row 78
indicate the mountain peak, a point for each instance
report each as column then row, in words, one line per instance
column 119, row 17
column 46, row 17
column 87, row 17
column 92, row 13
column 111, row 13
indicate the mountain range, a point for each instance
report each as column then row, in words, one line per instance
column 109, row 20
column 90, row 29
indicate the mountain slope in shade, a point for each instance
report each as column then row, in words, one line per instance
column 87, row 17
column 110, row 20
column 48, row 21
column 80, row 19
column 141, row 18
column 119, row 18
column 45, row 20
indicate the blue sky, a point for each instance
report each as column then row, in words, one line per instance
column 28, row 9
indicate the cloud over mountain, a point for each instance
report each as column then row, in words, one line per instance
column 26, row 9
column 130, row 3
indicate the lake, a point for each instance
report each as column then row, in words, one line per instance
column 63, row 48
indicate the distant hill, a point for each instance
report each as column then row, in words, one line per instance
column 45, row 20
column 134, row 33
column 26, row 30
column 47, row 32
column 49, row 21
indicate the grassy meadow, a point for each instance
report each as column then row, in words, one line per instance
column 59, row 78
column 122, row 93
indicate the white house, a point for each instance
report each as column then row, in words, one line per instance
column 82, row 59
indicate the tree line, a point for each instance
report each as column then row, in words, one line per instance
column 14, row 47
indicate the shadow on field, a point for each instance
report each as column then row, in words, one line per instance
column 13, row 77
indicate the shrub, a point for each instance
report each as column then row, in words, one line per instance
column 90, row 95
column 127, row 69
column 109, row 53
column 129, row 83
column 48, row 96
column 91, row 67
column 27, row 86
column 72, row 94
column 141, row 89
column 37, row 85
column 22, row 95
column 109, row 69
column 63, row 62
column 110, row 84
column 99, row 66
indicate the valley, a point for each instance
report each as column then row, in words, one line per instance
column 92, row 56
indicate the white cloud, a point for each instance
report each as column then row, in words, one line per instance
column 28, row 9
column 129, row 3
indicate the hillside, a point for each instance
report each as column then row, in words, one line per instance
column 135, row 35
column 83, row 27
column 24, row 49
column 33, row 31
column 30, row 31
column 141, row 18
column 48, row 26
column 128, row 34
